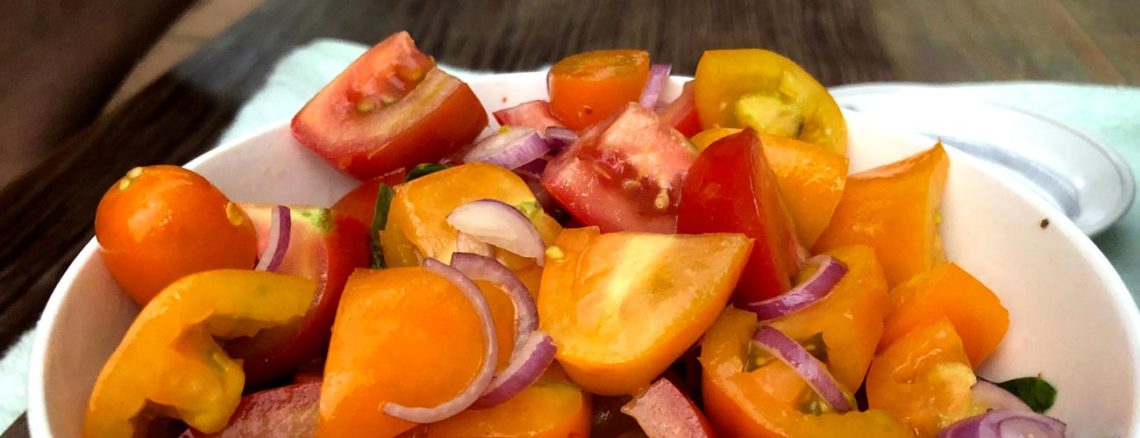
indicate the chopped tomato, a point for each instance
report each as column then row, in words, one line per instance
column 769, row 93
column 534, row 114
column 390, row 109
column 285, row 412
column 169, row 362
column 623, row 174
column 590, row 87
column 324, row 247
column 160, row 223
column 360, row 203
column 731, row 188
column 623, row 306
column 681, row 114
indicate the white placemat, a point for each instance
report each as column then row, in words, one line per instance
column 1110, row 114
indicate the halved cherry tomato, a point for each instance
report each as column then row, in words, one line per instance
column 169, row 362
column 623, row 174
column 681, row 114
column 589, row 87
column 730, row 188
column 160, row 223
column 768, row 92
column 622, row 306
column 390, row 109
column 324, row 247
column 285, row 412
column 401, row 335
column 534, row 114
column 772, row 400
column 360, row 203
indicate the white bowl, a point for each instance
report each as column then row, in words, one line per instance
column 1071, row 317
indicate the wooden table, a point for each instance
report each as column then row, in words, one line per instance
column 47, row 214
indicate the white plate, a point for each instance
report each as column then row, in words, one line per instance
column 1071, row 317
column 1090, row 182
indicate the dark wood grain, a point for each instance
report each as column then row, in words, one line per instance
column 48, row 212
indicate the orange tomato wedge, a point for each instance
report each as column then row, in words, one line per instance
column 589, row 87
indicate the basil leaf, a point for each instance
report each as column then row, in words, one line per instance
column 425, row 169
column 379, row 221
column 1034, row 391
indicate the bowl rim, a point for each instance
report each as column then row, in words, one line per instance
column 1119, row 294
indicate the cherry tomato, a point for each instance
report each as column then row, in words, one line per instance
column 625, row 174
column 681, row 114
column 589, row 87
column 731, row 188
column 770, row 93
column 160, row 223
column 390, row 109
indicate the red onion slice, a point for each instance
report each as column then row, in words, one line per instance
column 811, row 369
column 280, row 228
column 536, row 354
column 663, row 411
column 804, row 294
column 559, row 137
column 1006, row 424
column 510, row 149
column 500, row 224
column 478, row 267
column 658, row 74
column 468, row 244
column 481, row 380
column 995, row 397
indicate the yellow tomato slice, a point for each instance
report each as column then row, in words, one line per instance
column 770, row 93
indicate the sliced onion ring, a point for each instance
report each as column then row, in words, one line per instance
column 658, row 74
column 536, row 354
column 1006, row 424
column 280, row 229
column 481, row 380
column 811, row 369
column 500, row 224
column 510, row 149
column 995, row 397
column 830, row 271
column 478, row 267
column 466, row 243
column 560, row 137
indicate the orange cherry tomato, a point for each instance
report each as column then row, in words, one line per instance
column 160, row 223
column 589, row 87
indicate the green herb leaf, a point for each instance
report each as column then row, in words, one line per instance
column 379, row 221
column 1034, row 391
column 425, row 169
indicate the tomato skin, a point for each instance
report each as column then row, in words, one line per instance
column 681, row 114
column 151, row 224
column 590, row 87
column 359, row 126
column 359, row 204
column 285, row 412
column 731, row 188
column 624, row 174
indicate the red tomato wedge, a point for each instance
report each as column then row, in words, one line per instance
column 285, row 412
column 534, row 114
column 624, row 174
column 682, row 114
column 731, row 188
column 360, row 203
column 663, row 411
column 390, row 109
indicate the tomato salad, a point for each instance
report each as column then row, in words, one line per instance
column 602, row 264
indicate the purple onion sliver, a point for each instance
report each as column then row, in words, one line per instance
column 658, row 74
column 499, row 224
column 818, row 286
column 280, row 229
column 560, row 137
column 1005, row 424
column 535, row 167
column 481, row 380
column 995, row 397
column 536, row 355
column 509, row 149
column 807, row 366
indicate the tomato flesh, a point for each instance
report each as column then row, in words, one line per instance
column 624, row 174
column 150, row 227
column 285, row 412
column 324, row 247
column 589, row 87
column 730, row 188
column 390, row 109
column 681, row 114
